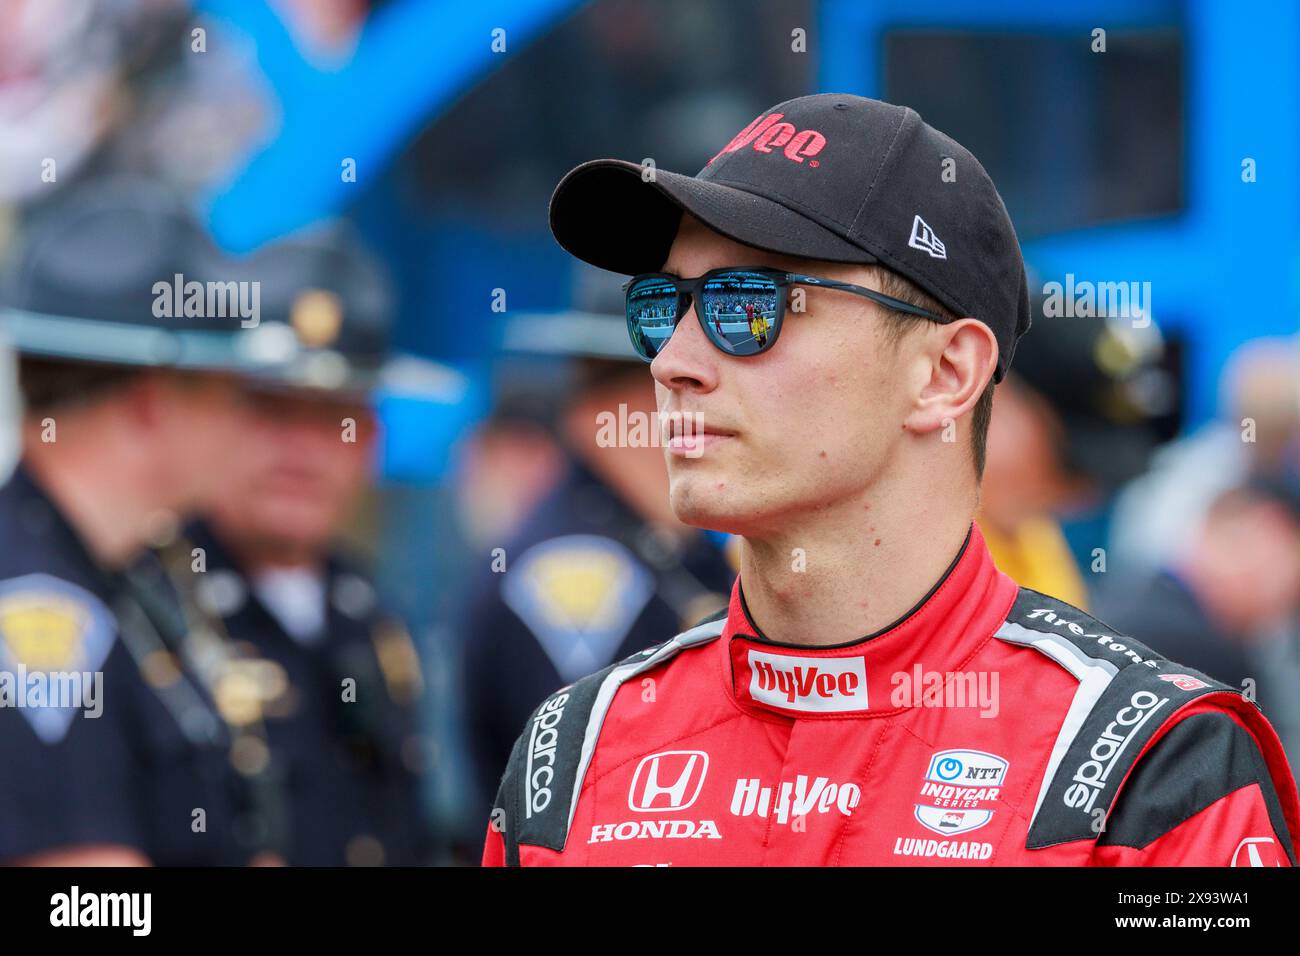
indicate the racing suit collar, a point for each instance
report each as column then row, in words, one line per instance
column 900, row 667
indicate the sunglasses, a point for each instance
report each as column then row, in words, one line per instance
column 740, row 309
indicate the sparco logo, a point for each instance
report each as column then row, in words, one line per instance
column 540, row 770
column 1090, row 779
column 768, row 133
column 668, row 781
column 799, row 798
column 824, row 685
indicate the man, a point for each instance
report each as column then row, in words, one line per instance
column 338, row 712
column 1255, row 434
column 976, row 723
column 1227, row 594
column 602, row 567
column 116, row 749
column 757, row 324
column 1081, row 413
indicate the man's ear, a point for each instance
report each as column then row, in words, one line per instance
column 960, row 359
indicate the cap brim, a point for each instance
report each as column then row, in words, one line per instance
column 607, row 213
column 126, row 344
column 332, row 377
column 571, row 334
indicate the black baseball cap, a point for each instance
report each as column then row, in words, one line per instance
column 831, row 176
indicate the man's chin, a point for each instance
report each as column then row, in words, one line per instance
column 700, row 502
column 280, row 528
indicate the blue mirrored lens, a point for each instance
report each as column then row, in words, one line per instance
column 740, row 311
column 651, row 314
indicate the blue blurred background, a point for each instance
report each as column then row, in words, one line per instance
column 440, row 128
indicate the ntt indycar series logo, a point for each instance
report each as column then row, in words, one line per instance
column 821, row 685
column 960, row 790
column 540, row 772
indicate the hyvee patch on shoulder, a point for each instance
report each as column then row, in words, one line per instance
column 54, row 636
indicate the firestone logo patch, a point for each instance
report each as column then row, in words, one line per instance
column 821, row 685
column 960, row 790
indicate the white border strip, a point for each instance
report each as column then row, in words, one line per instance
column 1094, row 677
column 609, row 686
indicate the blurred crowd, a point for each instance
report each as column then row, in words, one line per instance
column 331, row 656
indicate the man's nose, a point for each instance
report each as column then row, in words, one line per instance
column 689, row 360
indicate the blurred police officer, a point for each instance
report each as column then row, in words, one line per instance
column 1089, row 401
column 114, row 748
column 601, row 568
column 340, row 710
column 1223, row 598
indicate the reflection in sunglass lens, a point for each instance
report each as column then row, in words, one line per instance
column 739, row 311
column 651, row 314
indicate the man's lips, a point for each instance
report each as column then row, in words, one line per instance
column 694, row 445
column 684, row 432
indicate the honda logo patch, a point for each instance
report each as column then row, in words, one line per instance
column 668, row 781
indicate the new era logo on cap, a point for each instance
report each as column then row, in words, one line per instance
column 923, row 238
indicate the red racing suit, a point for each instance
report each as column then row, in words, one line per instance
column 990, row 726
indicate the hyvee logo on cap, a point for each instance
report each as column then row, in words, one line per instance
column 822, row 685
column 768, row 133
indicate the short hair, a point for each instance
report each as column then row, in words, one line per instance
column 901, row 324
column 50, row 383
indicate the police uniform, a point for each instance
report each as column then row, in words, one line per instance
column 109, row 734
column 140, row 759
column 337, row 708
column 585, row 582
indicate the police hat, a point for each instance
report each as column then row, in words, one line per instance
column 119, row 272
column 329, row 302
column 594, row 328
column 1112, row 383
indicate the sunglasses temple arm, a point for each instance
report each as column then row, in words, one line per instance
column 878, row 297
